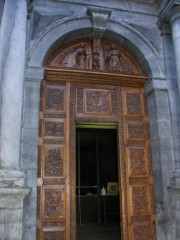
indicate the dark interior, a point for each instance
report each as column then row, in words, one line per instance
column 97, row 168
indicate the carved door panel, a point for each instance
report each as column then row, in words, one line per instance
column 139, row 193
column 69, row 98
column 53, row 169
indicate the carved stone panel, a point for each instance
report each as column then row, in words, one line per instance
column 98, row 101
column 54, row 128
column 54, row 162
column 54, row 203
column 137, row 162
column 139, row 200
column 55, row 98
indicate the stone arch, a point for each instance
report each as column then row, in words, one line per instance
column 146, row 56
column 122, row 34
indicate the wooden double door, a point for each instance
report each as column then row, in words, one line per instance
column 69, row 98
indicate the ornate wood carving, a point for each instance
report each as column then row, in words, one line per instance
column 137, row 162
column 93, row 97
column 133, row 103
column 142, row 232
column 98, row 101
column 54, row 128
column 53, row 173
column 136, row 130
column 54, row 203
column 54, row 141
column 140, row 200
column 55, row 98
column 54, row 162
column 95, row 54
column 53, row 224
column 80, row 108
column 53, row 235
column 94, row 77
column 139, row 179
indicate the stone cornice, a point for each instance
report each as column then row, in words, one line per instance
column 167, row 9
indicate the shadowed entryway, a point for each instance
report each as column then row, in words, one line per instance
column 97, row 191
column 99, row 232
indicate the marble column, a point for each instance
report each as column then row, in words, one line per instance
column 12, row 63
column 12, row 84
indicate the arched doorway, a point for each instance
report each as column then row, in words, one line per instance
column 89, row 82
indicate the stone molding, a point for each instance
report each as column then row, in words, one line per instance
column 34, row 73
column 99, row 17
column 174, row 190
column 168, row 10
column 155, row 85
column 11, row 179
column 174, row 14
column 12, row 197
column 164, row 28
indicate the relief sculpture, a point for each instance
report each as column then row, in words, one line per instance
column 97, row 101
column 94, row 54
column 54, row 99
column 53, row 203
column 76, row 59
column 54, row 163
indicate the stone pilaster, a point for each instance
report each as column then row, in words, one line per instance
column 12, row 81
column 162, row 149
column 170, row 15
column 174, row 193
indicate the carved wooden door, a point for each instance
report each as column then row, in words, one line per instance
column 136, row 159
column 66, row 100
column 98, row 82
column 53, row 169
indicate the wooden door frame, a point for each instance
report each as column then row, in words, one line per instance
column 105, row 80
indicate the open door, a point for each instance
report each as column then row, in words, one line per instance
column 71, row 97
column 97, row 194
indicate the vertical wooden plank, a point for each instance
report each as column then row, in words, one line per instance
column 53, row 171
column 137, row 159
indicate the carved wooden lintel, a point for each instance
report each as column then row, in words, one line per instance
column 81, row 76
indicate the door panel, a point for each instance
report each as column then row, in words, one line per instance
column 102, row 103
column 53, row 173
column 138, row 173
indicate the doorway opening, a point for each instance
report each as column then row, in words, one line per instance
column 97, row 194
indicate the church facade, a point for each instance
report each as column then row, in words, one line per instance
column 112, row 64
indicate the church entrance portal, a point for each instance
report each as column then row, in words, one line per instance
column 76, row 96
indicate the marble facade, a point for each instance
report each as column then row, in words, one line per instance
column 29, row 32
